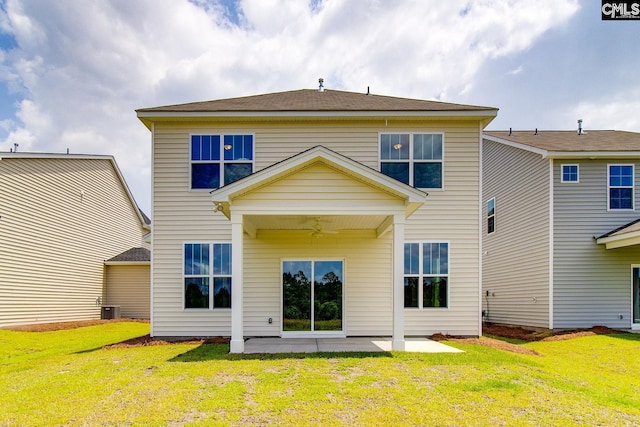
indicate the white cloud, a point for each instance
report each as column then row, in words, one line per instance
column 86, row 65
column 615, row 114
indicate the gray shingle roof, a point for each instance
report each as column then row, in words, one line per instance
column 309, row 100
column 133, row 255
column 570, row 141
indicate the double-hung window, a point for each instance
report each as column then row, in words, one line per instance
column 207, row 275
column 491, row 215
column 218, row 160
column 620, row 187
column 426, row 274
column 413, row 158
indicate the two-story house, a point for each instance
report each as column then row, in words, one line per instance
column 560, row 241
column 316, row 213
column 61, row 217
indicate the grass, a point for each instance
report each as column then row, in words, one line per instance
column 66, row 378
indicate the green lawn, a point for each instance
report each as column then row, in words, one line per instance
column 66, row 378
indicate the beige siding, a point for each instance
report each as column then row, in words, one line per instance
column 183, row 215
column 516, row 255
column 60, row 219
column 128, row 287
column 367, row 277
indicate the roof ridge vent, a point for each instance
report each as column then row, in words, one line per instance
column 321, row 84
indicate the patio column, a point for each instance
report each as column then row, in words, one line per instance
column 398, row 283
column 237, row 330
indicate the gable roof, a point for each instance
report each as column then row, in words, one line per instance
column 558, row 144
column 414, row 198
column 144, row 219
column 133, row 255
column 310, row 102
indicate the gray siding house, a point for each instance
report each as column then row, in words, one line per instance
column 560, row 238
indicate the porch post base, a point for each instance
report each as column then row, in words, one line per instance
column 397, row 345
column 236, row 346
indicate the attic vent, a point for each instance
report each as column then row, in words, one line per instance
column 321, row 86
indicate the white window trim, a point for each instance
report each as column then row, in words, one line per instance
column 221, row 162
column 421, row 275
column 577, row 173
column 634, row 326
column 490, row 216
column 211, row 276
column 633, row 187
column 410, row 160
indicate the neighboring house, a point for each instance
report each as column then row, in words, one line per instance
column 561, row 247
column 128, row 283
column 61, row 217
column 305, row 213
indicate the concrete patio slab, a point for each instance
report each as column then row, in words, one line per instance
column 355, row 344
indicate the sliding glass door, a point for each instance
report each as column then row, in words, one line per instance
column 312, row 296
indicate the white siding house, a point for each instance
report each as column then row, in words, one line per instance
column 564, row 250
column 316, row 213
column 61, row 217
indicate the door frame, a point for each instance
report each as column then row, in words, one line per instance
column 314, row 334
column 634, row 326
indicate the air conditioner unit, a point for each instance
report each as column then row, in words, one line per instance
column 110, row 312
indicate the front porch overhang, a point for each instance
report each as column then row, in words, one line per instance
column 622, row 237
column 318, row 190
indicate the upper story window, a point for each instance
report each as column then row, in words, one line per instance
column 491, row 215
column 570, row 173
column 620, row 187
column 415, row 159
column 426, row 274
column 218, row 160
column 207, row 275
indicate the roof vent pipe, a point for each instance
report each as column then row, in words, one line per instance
column 536, row 131
column 579, row 126
column 321, row 86
column 509, row 131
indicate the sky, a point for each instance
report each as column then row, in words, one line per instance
column 72, row 72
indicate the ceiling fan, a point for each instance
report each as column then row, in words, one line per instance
column 317, row 230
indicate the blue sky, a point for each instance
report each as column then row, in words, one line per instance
column 74, row 83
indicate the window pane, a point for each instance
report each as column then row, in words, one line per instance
column 222, row 259
column 491, row 224
column 399, row 171
column 570, row 173
column 434, row 292
column 491, row 205
column 195, row 147
column 205, row 175
column 196, row 259
column 621, row 176
column 427, row 147
column 222, row 292
column 238, row 147
column 427, row 175
column 435, row 258
column 236, row 171
column 411, row 292
column 394, row 146
column 620, row 198
column 205, row 146
column 411, row 258
column 196, row 292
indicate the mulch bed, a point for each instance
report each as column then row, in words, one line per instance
column 148, row 341
column 46, row 327
column 523, row 334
